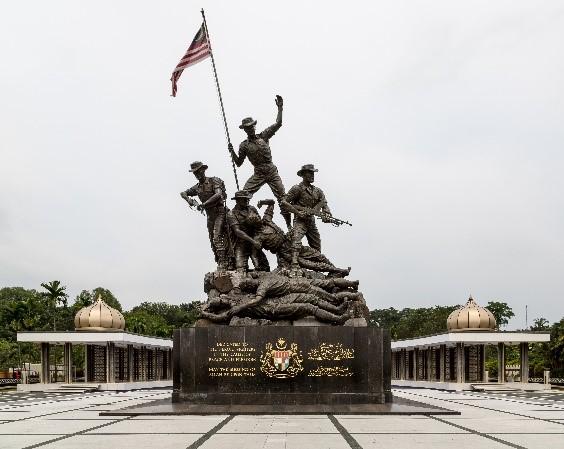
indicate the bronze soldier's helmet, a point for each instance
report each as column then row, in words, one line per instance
column 307, row 167
column 242, row 194
column 247, row 122
column 195, row 166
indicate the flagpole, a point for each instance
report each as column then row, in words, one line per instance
column 220, row 100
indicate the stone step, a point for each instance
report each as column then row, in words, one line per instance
column 77, row 388
column 493, row 387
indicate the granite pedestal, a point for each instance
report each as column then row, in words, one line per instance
column 281, row 365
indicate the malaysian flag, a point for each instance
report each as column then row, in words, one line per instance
column 199, row 49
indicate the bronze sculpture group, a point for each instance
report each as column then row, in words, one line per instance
column 297, row 287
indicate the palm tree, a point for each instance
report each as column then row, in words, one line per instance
column 55, row 295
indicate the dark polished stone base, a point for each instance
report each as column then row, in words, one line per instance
column 282, row 398
column 167, row 407
column 277, row 366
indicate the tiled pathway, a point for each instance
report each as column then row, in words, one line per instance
column 49, row 421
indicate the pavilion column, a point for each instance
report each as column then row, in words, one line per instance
column 143, row 362
column 67, row 357
column 402, row 364
column 501, row 362
column 482, row 356
column 129, row 375
column 429, row 360
column 160, row 370
column 45, row 374
column 524, row 356
column 415, row 363
column 442, row 362
column 164, row 363
column 110, row 362
column 169, row 363
column 460, row 363
column 157, row 364
column 86, row 367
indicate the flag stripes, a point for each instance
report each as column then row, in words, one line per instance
column 199, row 50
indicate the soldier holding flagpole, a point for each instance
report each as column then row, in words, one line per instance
column 200, row 49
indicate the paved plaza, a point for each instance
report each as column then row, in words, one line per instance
column 487, row 420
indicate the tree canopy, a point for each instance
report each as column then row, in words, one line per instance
column 27, row 310
column 31, row 310
column 502, row 313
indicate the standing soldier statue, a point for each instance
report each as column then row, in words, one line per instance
column 305, row 201
column 256, row 147
column 211, row 192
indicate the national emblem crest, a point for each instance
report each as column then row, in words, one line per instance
column 281, row 362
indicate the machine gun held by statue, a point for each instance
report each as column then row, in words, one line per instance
column 316, row 212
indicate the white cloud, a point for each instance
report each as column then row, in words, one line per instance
column 436, row 127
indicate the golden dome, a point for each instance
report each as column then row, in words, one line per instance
column 471, row 317
column 99, row 317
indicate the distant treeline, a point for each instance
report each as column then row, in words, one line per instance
column 49, row 309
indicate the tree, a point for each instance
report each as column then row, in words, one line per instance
column 410, row 323
column 18, row 304
column 9, row 355
column 501, row 311
column 556, row 346
column 160, row 318
column 540, row 325
column 107, row 296
column 539, row 353
column 24, row 315
column 55, row 295
column 386, row 318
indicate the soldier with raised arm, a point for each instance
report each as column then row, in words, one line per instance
column 301, row 198
column 211, row 192
column 257, row 149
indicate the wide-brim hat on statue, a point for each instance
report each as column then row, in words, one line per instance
column 307, row 167
column 242, row 194
column 247, row 122
column 195, row 166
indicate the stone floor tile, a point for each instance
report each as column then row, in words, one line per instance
column 426, row 441
column 278, row 425
column 23, row 440
column 508, row 424
column 144, row 441
column 535, row 440
column 401, row 424
column 261, row 441
column 132, row 426
column 41, row 426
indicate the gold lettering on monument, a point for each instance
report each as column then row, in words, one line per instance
column 336, row 371
column 231, row 353
column 231, row 371
column 329, row 351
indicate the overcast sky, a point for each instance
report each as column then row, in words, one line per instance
column 437, row 128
